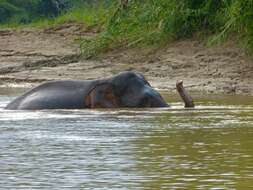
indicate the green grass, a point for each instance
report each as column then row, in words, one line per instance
column 157, row 22
column 89, row 16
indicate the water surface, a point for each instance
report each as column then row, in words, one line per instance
column 209, row 147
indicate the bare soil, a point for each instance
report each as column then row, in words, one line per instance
column 31, row 56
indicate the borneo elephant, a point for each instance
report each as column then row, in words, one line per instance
column 127, row 89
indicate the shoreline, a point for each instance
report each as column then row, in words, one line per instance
column 29, row 57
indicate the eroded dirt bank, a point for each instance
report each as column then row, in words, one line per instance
column 29, row 56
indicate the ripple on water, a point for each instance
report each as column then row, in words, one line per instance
column 208, row 147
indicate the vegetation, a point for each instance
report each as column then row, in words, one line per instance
column 18, row 12
column 155, row 22
column 129, row 23
column 24, row 11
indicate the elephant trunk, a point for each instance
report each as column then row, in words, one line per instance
column 184, row 95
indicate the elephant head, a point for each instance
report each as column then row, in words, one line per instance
column 127, row 89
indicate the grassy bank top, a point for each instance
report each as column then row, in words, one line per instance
column 127, row 23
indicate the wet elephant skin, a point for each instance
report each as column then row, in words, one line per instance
column 127, row 89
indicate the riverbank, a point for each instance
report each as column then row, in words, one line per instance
column 32, row 56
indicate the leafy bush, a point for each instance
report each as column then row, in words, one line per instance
column 155, row 22
column 7, row 10
column 26, row 11
column 141, row 22
column 52, row 7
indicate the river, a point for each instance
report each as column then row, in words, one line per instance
column 209, row 147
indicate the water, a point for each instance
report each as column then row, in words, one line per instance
column 209, row 147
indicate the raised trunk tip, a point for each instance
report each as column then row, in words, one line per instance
column 184, row 95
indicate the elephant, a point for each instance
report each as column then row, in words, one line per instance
column 127, row 89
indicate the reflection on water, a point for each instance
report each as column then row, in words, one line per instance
column 209, row 147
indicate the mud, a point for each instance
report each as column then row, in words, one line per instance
column 31, row 56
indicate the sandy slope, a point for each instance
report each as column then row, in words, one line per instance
column 30, row 56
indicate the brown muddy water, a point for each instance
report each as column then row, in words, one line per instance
column 209, row 147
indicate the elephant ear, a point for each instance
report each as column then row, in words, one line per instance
column 102, row 96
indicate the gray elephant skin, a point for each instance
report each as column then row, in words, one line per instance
column 127, row 89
